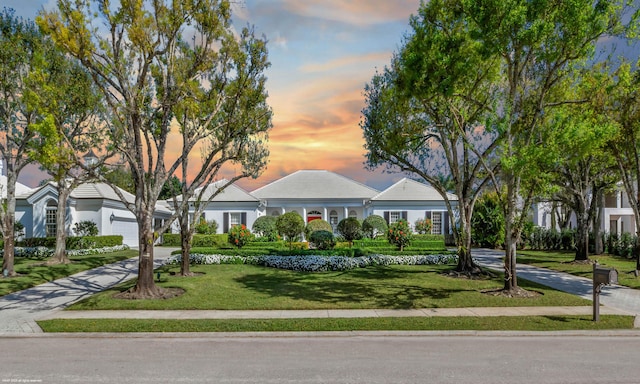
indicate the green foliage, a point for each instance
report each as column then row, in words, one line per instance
column 552, row 239
column 205, row 227
column 317, row 225
column 373, row 226
column 265, row 227
column 120, row 177
column 322, row 239
column 85, row 228
column 351, row 229
column 290, row 225
column 239, row 235
column 173, row 240
column 170, row 188
column 423, row 226
column 487, row 223
column 73, row 242
column 399, row 234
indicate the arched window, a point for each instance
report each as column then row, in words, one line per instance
column 50, row 218
column 313, row 215
column 333, row 219
column 353, row 213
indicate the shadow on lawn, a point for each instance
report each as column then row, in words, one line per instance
column 379, row 291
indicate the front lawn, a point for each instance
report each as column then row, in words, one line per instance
column 563, row 261
column 529, row 323
column 33, row 272
column 250, row 287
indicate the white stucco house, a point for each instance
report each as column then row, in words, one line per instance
column 617, row 214
column 321, row 194
column 36, row 209
column 230, row 207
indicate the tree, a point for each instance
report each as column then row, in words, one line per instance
column 21, row 47
column 374, row 225
column 316, row 225
column 147, row 60
column 290, row 225
column 624, row 109
column 487, row 224
column 578, row 136
column 265, row 226
column 351, row 229
column 426, row 113
column 227, row 119
column 64, row 93
column 399, row 234
column 170, row 188
column 537, row 43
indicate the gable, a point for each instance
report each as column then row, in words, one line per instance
column 410, row 190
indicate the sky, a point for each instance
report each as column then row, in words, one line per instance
column 322, row 53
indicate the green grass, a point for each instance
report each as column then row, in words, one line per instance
column 562, row 261
column 33, row 272
column 531, row 323
column 248, row 287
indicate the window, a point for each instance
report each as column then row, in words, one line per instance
column 235, row 218
column 333, row 219
column 436, row 223
column 50, row 218
column 353, row 214
column 394, row 216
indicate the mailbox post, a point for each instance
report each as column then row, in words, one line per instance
column 601, row 277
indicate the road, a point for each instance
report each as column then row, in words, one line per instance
column 417, row 357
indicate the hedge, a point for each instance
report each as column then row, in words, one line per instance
column 173, row 240
column 74, row 242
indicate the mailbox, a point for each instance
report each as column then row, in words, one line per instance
column 604, row 275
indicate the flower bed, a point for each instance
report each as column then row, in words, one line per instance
column 317, row 263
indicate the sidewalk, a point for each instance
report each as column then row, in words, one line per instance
column 18, row 311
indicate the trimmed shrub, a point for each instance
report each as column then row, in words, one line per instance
column 173, row 240
column 399, row 234
column 265, row 227
column 85, row 228
column 74, row 242
column 350, row 229
column 239, row 235
column 487, row 222
column 205, row 227
column 322, row 239
column 373, row 226
column 291, row 226
column 317, row 225
column 422, row 226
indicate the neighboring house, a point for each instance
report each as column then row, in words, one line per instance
column 96, row 202
column 230, row 207
column 617, row 214
column 410, row 200
column 320, row 194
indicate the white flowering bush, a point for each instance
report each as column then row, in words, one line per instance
column 317, row 263
column 42, row 253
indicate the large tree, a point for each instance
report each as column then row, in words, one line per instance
column 21, row 46
column 625, row 148
column 425, row 114
column 64, row 93
column 538, row 42
column 145, row 57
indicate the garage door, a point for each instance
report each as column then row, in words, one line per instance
column 128, row 229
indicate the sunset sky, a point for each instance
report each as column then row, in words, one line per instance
column 322, row 53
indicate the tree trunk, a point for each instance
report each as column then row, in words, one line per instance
column 60, row 254
column 145, row 288
column 582, row 237
column 511, row 241
column 463, row 241
column 597, row 220
column 8, row 222
column 186, row 235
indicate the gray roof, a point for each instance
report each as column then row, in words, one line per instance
column 231, row 193
column 410, row 190
column 314, row 184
